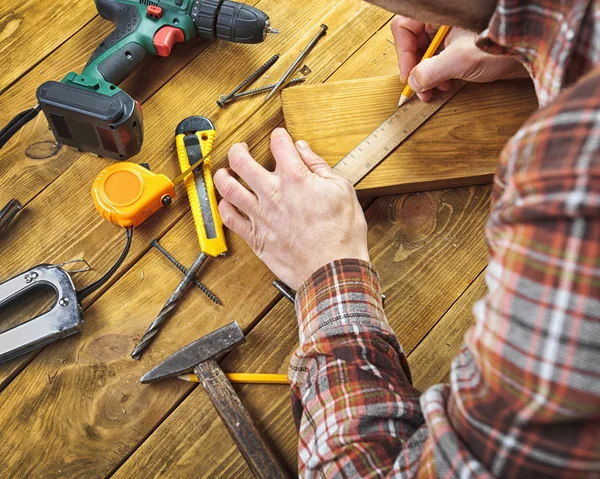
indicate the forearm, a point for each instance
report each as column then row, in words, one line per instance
column 351, row 392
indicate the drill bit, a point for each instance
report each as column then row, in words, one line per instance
column 154, row 243
column 166, row 310
column 223, row 99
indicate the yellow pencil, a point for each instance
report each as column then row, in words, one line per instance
column 435, row 44
column 245, row 378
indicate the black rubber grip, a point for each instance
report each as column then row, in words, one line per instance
column 126, row 20
column 119, row 65
column 241, row 23
column 204, row 15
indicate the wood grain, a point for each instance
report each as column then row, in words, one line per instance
column 430, row 360
column 53, row 230
column 335, row 117
column 30, row 30
column 427, row 248
column 88, row 382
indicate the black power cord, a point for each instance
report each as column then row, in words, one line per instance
column 90, row 288
column 16, row 123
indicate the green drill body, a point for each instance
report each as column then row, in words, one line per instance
column 90, row 112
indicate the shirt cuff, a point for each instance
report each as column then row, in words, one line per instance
column 342, row 297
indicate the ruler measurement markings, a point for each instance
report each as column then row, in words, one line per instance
column 377, row 145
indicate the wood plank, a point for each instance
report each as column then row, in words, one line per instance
column 116, row 412
column 30, row 30
column 427, row 247
column 335, row 117
column 52, row 230
column 430, row 360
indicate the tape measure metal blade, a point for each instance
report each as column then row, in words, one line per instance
column 391, row 133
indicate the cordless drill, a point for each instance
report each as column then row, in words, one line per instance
column 90, row 112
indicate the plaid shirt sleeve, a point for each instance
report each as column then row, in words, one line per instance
column 524, row 392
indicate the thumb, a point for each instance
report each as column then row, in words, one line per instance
column 314, row 162
column 435, row 70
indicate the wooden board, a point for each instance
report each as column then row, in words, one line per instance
column 30, row 30
column 116, row 414
column 79, row 401
column 80, row 232
column 427, row 248
column 335, row 117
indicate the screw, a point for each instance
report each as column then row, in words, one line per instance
column 263, row 89
column 223, row 99
column 154, row 243
column 29, row 277
column 303, row 54
column 63, row 302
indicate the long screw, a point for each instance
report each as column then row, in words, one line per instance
column 166, row 310
column 263, row 89
column 223, row 99
column 303, row 54
column 154, row 243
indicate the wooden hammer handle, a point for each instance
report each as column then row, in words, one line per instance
column 238, row 422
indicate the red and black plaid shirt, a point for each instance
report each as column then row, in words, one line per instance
column 524, row 392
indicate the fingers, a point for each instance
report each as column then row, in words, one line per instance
column 314, row 162
column 436, row 71
column 285, row 153
column 241, row 161
column 234, row 192
column 235, row 221
column 410, row 40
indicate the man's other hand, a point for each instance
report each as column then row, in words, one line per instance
column 459, row 59
column 296, row 219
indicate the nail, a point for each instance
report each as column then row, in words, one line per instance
column 303, row 145
column 414, row 84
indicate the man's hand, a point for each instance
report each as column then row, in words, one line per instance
column 298, row 218
column 460, row 59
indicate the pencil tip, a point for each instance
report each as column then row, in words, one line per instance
column 402, row 100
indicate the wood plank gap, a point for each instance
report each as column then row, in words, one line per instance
column 251, row 326
column 122, row 271
column 458, row 298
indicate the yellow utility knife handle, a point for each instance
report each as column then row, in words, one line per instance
column 212, row 242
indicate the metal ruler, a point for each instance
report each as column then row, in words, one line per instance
column 393, row 131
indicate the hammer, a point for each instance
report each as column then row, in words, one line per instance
column 200, row 356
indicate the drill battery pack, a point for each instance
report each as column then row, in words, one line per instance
column 108, row 126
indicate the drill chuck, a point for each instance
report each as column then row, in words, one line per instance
column 228, row 20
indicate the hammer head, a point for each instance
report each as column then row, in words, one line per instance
column 210, row 346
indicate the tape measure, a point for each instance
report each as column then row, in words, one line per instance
column 391, row 133
column 127, row 193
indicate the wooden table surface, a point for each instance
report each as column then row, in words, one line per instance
column 77, row 408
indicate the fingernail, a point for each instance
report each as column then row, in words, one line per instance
column 414, row 84
column 303, row 145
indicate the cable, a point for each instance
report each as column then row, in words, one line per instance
column 90, row 288
column 16, row 123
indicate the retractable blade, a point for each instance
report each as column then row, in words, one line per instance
column 194, row 139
